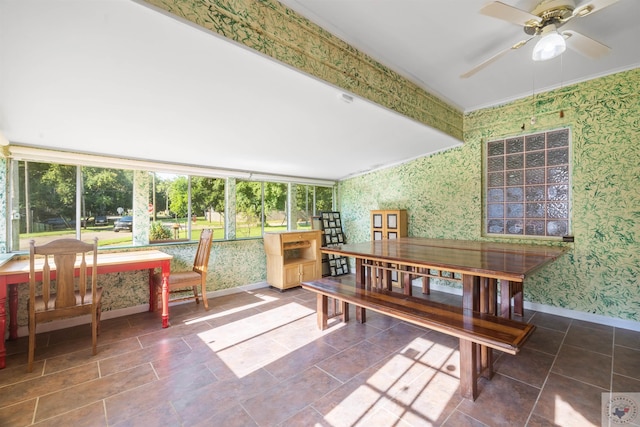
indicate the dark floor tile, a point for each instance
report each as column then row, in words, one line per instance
column 626, row 361
column 234, row 416
column 158, row 416
column 528, row 366
column 91, row 415
column 568, row 402
column 174, row 348
column 627, row 338
column 131, row 401
column 583, row 365
column 551, row 321
column 77, row 396
column 623, row 384
column 350, row 362
column 19, row 414
column 397, row 336
column 545, row 340
column 501, row 402
column 306, row 417
column 538, row 421
column 349, row 334
column 598, row 340
column 458, row 419
column 289, row 397
column 300, row 360
column 40, row 386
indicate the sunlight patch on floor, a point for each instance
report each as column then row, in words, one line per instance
column 249, row 344
column 402, row 380
column 566, row 414
column 265, row 299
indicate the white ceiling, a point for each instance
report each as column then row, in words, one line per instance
column 117, row 78
column 433, row 42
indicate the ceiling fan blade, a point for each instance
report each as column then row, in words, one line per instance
column 508, row 13
column 494, row 58
column 591, row 6
column 585, row 45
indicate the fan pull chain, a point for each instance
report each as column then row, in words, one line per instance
column 561, row 83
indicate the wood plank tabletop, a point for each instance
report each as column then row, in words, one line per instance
column 496, row 260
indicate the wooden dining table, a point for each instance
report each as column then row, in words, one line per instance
column 15, row 272
column 478, row 265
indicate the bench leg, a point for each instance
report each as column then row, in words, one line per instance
column 345, row 311
column 486, row 362
column 468, row 371
column 322, row 308
column 426, row 283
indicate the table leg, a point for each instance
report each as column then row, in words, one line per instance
column 361, row 315
column 3, row 324
column 13, row 312
column 505, row 299
column 165, row 294
column 406, row 281
column 153, row 295
column 516, row 292
column 470, row 292
column 322, row 308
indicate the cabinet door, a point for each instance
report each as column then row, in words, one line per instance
column 308, row 271
column 291, row 275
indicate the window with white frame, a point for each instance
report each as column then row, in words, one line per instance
column 51, row 199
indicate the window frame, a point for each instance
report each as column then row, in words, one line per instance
column 30, row 154
column 502, row 192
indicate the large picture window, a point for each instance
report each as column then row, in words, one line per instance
column 527, row 185
column 50, row 200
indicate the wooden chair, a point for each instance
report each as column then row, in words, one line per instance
column 196, row 277
column 64, row 293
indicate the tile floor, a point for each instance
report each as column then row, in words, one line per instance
column 257, row 359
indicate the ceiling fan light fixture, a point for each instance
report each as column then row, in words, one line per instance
column 550, row 45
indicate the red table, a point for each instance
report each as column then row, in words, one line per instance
column 16, row 271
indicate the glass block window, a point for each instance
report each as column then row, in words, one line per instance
column 527, row 185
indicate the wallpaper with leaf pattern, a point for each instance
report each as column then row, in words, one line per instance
column 443, row 193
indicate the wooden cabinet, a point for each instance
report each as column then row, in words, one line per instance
column 388, row 224
column 292, row 257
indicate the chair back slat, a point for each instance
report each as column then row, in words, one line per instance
column 201, row 260
column 46, row 283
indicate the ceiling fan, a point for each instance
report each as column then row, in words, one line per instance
column 543, row 22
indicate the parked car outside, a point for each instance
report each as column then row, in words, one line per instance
column 101, row 220
column 124, row 223
column 56, row 223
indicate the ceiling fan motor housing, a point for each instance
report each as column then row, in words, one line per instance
column 550, row 12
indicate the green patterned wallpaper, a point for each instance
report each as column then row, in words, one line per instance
column 443, row 193
column 272, row 29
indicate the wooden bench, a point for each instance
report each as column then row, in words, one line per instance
column 478, row 332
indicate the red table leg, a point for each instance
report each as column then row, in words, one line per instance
column 13, row 312
column 3, row 323
column 152, row 294
column 165, row 294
